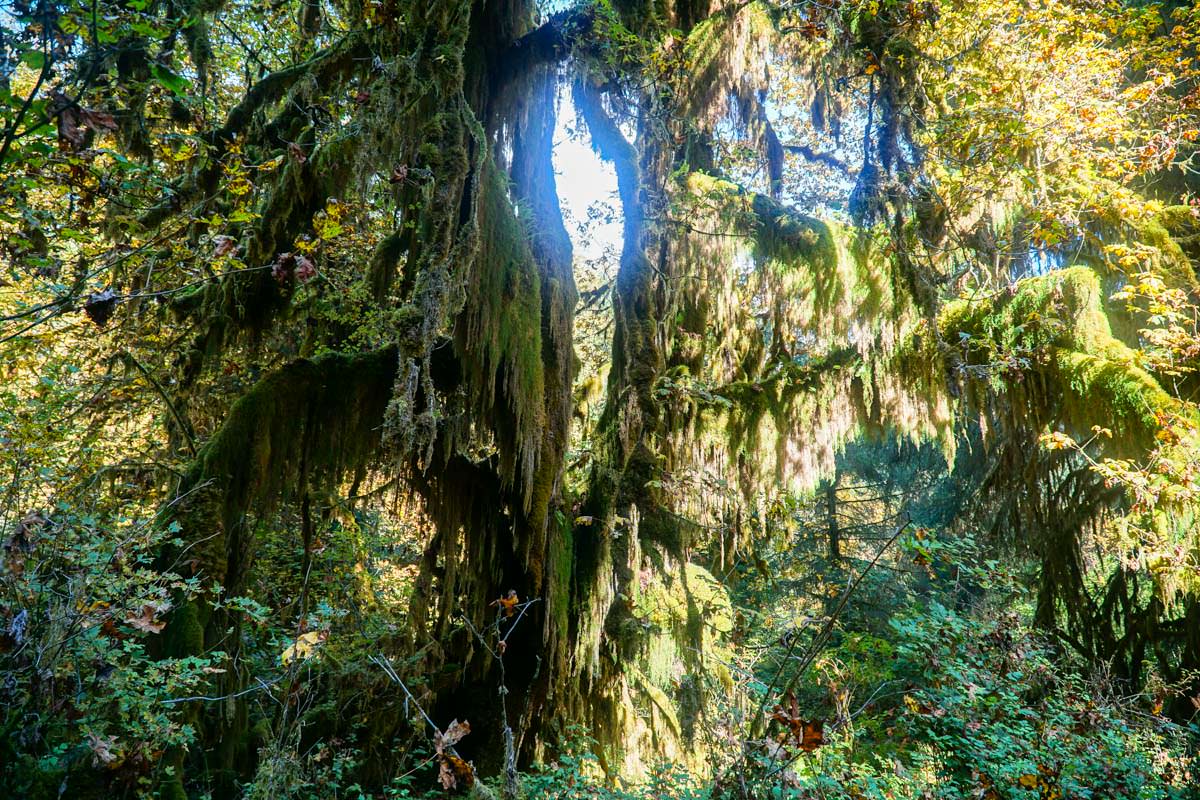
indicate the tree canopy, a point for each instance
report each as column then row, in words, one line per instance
column 850, row 450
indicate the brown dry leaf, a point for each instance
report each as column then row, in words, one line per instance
column 812, row 735
column 104, row 751
column 455, row 732
column 146, row 621
column 446, row 775
column 224, row 245
column 453, row 771
column 75, row 123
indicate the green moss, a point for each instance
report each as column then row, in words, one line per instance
column 1168, row 232
column 562, row 560
column 1055, row 326
column 322, row 416
column 184, row 634
column 499, row 336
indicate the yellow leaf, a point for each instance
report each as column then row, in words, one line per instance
column 305, row 646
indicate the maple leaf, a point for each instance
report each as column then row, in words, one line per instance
column 303, row 648
column 452, row 770
column 76, row 124
column 453, row 734
column 145, row 621
column 808, row 735
column 297, row 152
column 104, row 751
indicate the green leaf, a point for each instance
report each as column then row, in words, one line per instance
column 35, row 59
column 169, row 79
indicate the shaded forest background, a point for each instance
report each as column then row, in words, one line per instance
column 849, row 451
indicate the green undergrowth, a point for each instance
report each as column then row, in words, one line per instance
column 948, row 693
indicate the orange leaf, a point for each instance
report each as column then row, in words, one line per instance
column 453, row 770
column 508, row 603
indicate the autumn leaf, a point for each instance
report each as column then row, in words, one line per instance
column 453, row 771
column 104, row 751
column 76, row 124
column 303, row 648
column 305, row 269
column 224, row 246
column 508, row 603
column 453, row 734
column 145, row 621
column 806, row 734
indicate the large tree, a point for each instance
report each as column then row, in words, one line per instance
column 327, row 242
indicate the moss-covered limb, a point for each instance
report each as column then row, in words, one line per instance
column 304, row 425
column 1174, row 234
column 535, row 188
column 727, row 49
column 1055, row 327
column 433, row 136
column 548, row 43
column 324, row 414
column 612, row 146
column 328, row 66
column 249, row 300
column 338, row 398
column 837, row 351
column 637, row 362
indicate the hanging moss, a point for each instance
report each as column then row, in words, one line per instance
column 321, row 415
column 499, row 336
column 805, row 339
column 674, row 645
column 1055, row 327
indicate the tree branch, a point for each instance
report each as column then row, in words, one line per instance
column 823, row 158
